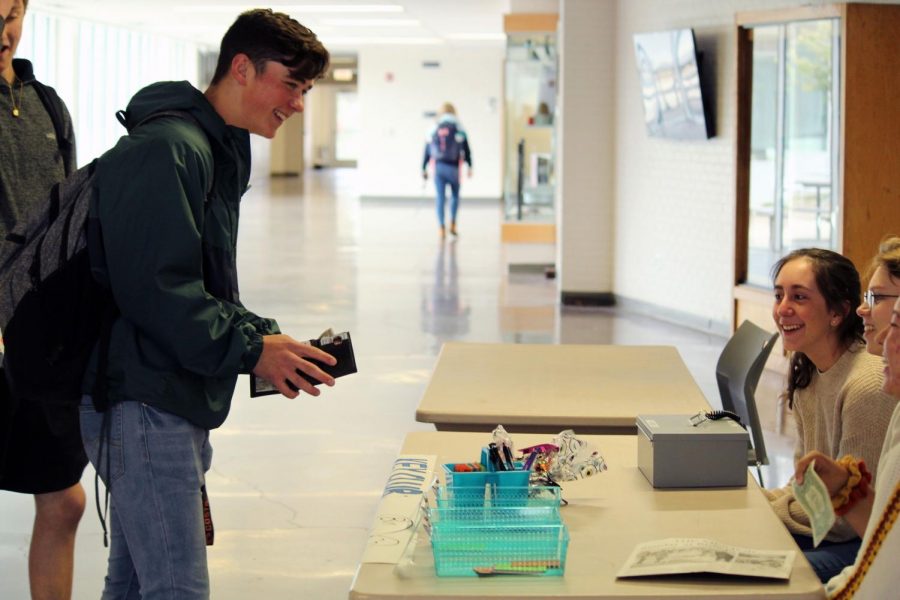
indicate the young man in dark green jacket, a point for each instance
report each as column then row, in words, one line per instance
column 167, row 200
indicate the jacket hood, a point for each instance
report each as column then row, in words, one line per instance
column 181, row 95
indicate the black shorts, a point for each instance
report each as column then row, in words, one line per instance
column 33, row 458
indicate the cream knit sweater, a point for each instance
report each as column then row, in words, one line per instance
column 842, row 411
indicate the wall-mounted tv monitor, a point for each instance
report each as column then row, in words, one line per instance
column 670, row 85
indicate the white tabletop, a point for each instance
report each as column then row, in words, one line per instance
column 607, row 516
column 547, row 388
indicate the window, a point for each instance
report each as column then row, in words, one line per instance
column 794, row 148
column 97, row 68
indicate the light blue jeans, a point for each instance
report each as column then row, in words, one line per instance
column 154, row 464
column 446, row 174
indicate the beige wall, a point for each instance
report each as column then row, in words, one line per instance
column 395, row 92
column 584, row 195
column 286, row 152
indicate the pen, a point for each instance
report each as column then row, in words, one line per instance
column 494, row 455
column 507, row 454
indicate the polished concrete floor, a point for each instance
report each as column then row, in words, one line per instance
column 295, row 483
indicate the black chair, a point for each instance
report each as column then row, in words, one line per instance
column 737, row 373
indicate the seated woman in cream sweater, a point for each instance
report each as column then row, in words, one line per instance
column 834, row 385
column 873, row 514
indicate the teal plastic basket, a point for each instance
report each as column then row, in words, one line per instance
column 493, row 523
column 462, row 496
column 475, row 548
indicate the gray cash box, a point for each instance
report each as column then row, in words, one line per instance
column 672, row 452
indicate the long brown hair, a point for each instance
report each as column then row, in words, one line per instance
column 838, row 282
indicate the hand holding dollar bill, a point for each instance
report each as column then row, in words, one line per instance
column 813, row 496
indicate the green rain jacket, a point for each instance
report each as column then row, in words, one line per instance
column 183, row 335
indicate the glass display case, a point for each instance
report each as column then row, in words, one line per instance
column 530, row 108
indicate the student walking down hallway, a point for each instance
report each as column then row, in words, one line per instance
column 447, row 148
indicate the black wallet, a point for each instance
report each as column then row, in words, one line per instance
column 339, row 345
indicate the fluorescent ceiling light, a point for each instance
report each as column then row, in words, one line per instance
column 485, row 37
column 370, row 22
column 379, row 41
column 292, row 8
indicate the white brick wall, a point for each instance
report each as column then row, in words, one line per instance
column 674, row 201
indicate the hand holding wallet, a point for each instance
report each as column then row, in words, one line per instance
column 338, row 345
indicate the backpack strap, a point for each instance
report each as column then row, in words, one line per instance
column 54, row 107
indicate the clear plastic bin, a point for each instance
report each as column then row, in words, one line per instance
column 466, row 516
column 481, row 548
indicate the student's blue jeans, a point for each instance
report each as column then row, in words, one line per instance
column 446, row 174
column 157, row 464
column 829, row 558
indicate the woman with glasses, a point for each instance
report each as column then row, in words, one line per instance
column 884, row 289
column 872, row 508
column 834, row 386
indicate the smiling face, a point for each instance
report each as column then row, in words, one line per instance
column 13, row 11
column 271, row 96
column 890, row 340
column 877, row 314
column 802, row 315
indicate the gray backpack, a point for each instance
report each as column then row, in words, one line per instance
column 53, row 311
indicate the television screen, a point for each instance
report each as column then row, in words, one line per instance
column 670, row 85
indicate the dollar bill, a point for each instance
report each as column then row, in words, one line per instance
column 813, row 496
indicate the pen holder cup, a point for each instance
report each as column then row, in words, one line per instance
column 514, row 497
column 479, row 479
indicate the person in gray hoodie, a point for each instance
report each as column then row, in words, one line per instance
column 40, row 449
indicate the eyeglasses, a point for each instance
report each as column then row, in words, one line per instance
column 872, row 299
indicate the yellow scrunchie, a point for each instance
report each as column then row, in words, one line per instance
column 843, row 495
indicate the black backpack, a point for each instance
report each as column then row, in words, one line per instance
column 50, row 305
column 446, row 143
column 52, row 309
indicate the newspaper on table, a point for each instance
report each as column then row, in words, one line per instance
column 674, row 556
column 813, row 496
column 400, row 509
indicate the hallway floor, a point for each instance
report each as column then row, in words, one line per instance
column 295, row 483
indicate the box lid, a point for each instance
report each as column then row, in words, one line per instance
column 679, row 426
